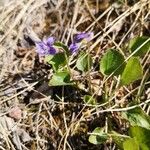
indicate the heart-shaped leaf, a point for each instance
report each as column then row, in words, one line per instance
column 84, row 62
column 119, row 138
column 137, row 42
column 137, row 117
column 111, row 62
column 60, row 79
column 142, row 136
column 131, row 144
column 98, row 136
column 57, row 61
column 132, row 72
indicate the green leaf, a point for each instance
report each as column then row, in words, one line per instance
column 137, row 117
column 62, row 46
column 89, row 100
column 98, row 136
column 132, row 72
column 136, row 42
column 119, row 138
column 142, row 136
column 84, row 62
column 111, row 62
column 60, row 79
column 57, row 61
column 131, row 144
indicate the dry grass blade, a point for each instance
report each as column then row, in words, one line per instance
column 34, row 115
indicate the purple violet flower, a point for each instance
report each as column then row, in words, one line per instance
column 83, row 36
column 74, row 47
column 78, row 38
column 45, row 47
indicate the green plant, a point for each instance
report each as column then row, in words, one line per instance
column 112, row 64
column 130, row 69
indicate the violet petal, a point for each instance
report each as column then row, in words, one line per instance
column 50, row 41
column 81, row 36
column 41, row 48
column 52, row 51
column 74, row 47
